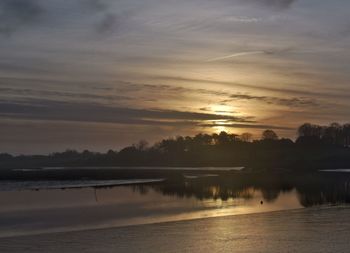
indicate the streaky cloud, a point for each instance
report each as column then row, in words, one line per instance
column 39, row 109
column 294, row 101
column 60, row 94
column 235, row 55
column 285, row 101
column 248, row 53
column 275, row 4
column 247, row 126
column 296, row 92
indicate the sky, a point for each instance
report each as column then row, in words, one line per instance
column 103, row 74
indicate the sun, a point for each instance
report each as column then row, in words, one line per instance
column 221, row 109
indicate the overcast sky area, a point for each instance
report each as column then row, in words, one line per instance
column 103, row 74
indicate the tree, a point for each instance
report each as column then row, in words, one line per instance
column 141, row 145
column 246, row 137
column 269, row 135
column 346, row 134
column 223, row 138
column 202, row 139
column 333, row 134
column 310, row 130
column 233, row 137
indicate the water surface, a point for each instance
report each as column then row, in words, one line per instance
column 36, row 207
column 28, row 212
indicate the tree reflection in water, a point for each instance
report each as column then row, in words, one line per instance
column 317, row 188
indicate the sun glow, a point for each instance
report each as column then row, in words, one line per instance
column 222, row 109
column 218, row 129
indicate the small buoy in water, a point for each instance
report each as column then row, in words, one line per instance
column 261, row 202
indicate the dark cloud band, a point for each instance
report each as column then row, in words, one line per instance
column 276, row 4
column 89, row 112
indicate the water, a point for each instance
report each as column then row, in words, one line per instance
column 337, row 170
column 145, row 168
column 312, row 230
column 280, row 205
column 28, row 212
column 69, row 184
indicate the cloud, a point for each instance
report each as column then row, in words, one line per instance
column 109, row 23
column 147, row 92
column 36, row 109
column 295, row 101
column 290, row 101
column 275, row 4
column 282, row 4
column 60, row 94
column 17, row 13
column 248, row 126
column 95, row 5
column 235, row 55
column 295, row 92
column 247, row 53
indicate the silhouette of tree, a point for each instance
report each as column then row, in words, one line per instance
column 202, row 139
column 308, row 130
column 223, row 138
column 333, row 134
column 346, row 135
column 316, row 147
column 141, row 145
column 246, row 137
column 5, row 156
column 269, row 135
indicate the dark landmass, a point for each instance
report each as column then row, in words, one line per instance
column 315, row 148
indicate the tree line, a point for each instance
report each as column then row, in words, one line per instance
column 315, row 147
column 334, row 134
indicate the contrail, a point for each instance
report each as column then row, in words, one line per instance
column 235, row 55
